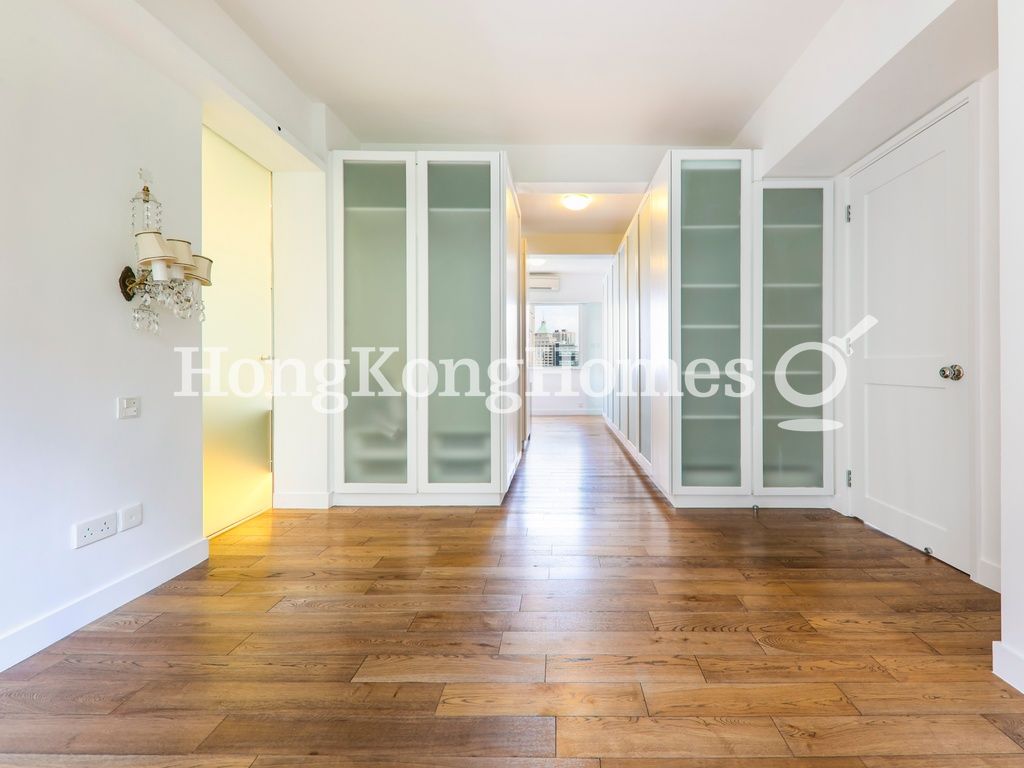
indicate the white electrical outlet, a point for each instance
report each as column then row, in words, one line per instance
column 129, row 517
column 129, row 407
column 94, row 530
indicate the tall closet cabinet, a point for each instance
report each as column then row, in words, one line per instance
column 734, row 286
column 427, row 266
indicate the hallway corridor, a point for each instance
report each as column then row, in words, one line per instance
column 583, row 620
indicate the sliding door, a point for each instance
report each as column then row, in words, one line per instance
column 237, row 234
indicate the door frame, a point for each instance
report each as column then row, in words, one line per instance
column 984, row 323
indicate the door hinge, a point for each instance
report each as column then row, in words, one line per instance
column 849, row 214
column 849, row 478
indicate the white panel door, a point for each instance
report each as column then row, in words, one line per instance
column 910, row 268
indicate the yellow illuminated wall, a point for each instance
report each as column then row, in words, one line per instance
column 237, row 479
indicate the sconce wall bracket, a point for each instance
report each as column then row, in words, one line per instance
column 127, row 282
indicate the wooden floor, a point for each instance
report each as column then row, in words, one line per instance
column 582, row 624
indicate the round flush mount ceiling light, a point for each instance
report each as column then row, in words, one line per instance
column 576, row 202
column 534, row 261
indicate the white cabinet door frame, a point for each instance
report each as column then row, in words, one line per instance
column 746, row 409
column 337, row 319
column 513, row 325
column 494, row 159
column 827, row 325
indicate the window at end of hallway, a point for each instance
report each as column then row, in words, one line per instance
column 555, row 335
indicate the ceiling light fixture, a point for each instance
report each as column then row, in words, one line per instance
column 575, row 202
column 534, row 261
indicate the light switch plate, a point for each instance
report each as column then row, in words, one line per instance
column 129, row 517
column 129, row 407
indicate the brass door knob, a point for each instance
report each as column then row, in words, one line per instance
column 953, row 372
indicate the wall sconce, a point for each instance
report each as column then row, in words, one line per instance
column 169, row 273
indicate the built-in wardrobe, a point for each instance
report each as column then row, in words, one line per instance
column 719, row 309
column 427, row 266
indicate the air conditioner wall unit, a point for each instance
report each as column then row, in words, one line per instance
column 544, row 282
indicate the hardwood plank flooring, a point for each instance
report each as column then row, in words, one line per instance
column 609, row 668
column 668, row 737
column 262, row 696
column 123, row 761
column 394, row 736
column 704, row 699
column 949, row 669
column 582, row 624
column 472, row 668
column 561, row 699
column 933, row 698
column 919, row 735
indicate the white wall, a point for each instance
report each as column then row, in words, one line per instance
column 301, row 434
column 862, row 79
column 574, row 287
column 247, row 99
column 245, row 95
column 209, row 31
column 80, row 115
column 576, row 163
column 1009, row 653
column 989, row 417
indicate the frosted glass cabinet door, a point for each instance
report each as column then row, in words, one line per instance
column 459, row 318
column 710, row 277
column 791, row 309
column 376, row 429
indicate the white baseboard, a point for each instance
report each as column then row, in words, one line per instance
column 568, row 412
column 1008, row 664
column 742, row 502
column 28, row 639
column 416, row 499
column 988, row 574
column 513, row 470
column 302, row 500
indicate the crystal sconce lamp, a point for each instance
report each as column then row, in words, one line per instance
column 169, row 273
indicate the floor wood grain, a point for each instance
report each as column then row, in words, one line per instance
column 668, row 737
column 551, row 699
column 394, row 736
column 921, row 735
column 582, row 624
column 702, row 699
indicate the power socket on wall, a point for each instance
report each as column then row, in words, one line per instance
column 129, row 407
column 93, row 530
